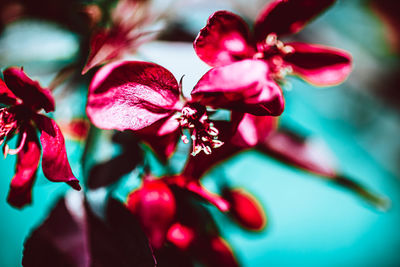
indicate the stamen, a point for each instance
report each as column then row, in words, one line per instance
column 11, row 151
column 203, row 134
column 8, row 123
column 271, row 39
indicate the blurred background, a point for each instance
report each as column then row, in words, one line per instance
column 311, row 222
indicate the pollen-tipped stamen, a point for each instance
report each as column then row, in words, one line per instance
column 8, row 124
column 203, row 134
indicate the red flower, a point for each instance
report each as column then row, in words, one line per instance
column 226, row 39
column 145, row 96
column 24, row 99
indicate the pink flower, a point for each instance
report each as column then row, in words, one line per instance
column 127, row 33
column 24, row 99
column 226, row 39
column 142, row 96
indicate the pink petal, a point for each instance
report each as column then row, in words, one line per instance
column 30, row 92
column 162, row 137
column 105, row 46
column 6, row 96
column 131, row 95
column 55, row 163
column 225, row 39
column 287, row 16
column 300, row 152
column 28, row 158
column 319, row 65
column 243, row 86
column 253, row 130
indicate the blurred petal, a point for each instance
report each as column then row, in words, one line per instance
column 287, row 16
column 245, row 208
column 55, row 163
column 300, row 152
column 31, row 93
column 131, row 95
column 225, row 39
column 104, row 46
column 253, row 129
column 162, row 137
column 28, row 159
column 6, row 96
column 243, row 86
column 319, row 65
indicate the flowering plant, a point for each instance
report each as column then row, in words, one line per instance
column 148, row 199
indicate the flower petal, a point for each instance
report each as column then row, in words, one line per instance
column 300, row 152
column 319, row 65
column 6, row 96
column 243, row 86
column 287, row 16
column 104, row 46
column 225, row 39
column 28, row 158
column 55, row 163
column 30, row 92
column 253, row 130
column 162, row 137
column 131, row 95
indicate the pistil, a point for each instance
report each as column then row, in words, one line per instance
column 273, row 50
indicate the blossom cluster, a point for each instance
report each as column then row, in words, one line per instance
column 248, row 66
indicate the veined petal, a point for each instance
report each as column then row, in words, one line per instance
column 287, row 16
column 30, row 92
column 55, row 163
column 6, row 96
column 131, row 95
column 225, row 39
column 253, row 130
column 243, row 86
column 28, row 158
column 319, row 65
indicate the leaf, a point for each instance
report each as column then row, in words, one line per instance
column 73, row 235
